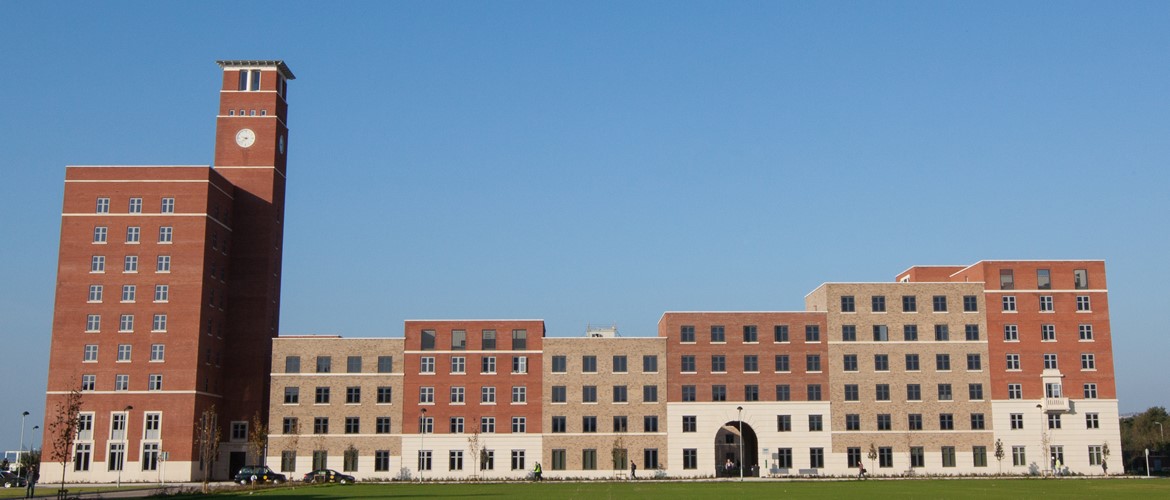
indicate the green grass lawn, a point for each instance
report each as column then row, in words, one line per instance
column 921, row 488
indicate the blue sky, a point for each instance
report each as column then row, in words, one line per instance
column 605, row 162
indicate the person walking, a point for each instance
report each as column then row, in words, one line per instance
column 860, row 470
column 633, row 470
column 537, row 472
column 33, row 475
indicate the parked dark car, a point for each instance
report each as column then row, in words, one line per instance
column 263, row 475
column 9, row 480
column 328, row 476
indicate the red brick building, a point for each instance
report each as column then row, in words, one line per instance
column 168, row 293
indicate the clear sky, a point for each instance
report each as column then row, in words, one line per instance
column 596, row 162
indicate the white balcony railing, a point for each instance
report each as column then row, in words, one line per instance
column 1057, row 405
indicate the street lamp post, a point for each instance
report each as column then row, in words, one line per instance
column 422, row 433
column 125, row 431
column 1161, row 436
column 22, row 416
column 740, row 422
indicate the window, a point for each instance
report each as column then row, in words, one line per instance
column 1013, row 361
column 427, row 365
column 519, row 394
column 353, row 395
column 103, row 206
column 1052, row 390
column 93, row 322
column 427, row 425
column 690, row 458
column 518, row 460
column 783, row 392
column 814, row 392
column 621, row 424
column 1096, row 456
column 848, row 333
column 970, row 303
column 813, row 362
column 751, row 363
column 851, row 392
column 1017, row 421
column 816, row 458
column 382, row 425
column 913, row 392
column 650, row 458
column 589, row 364
column 558, row 459
column 162, row 293
column 519, row 340
column 688, row 364
column 1048, row 333
column 322, row 396
column 324, row 364
column 878, row 303
column 1092, row 421
column 1086, row 332
column 1053, row 420
column 649, row 394
column 129, row 292
column 850, row 362
column 689, row 393
column 487, row 424
column 1019, row 456
column 90, row 353
column 1090, row 391
column 458, row 364
column 941, row 333
column 650, row 423
column 1045, row 303
column 97, row 264
column 689, row 423
column 426, row 395
column 750, row 334
column 940, row 303
column 881, row 362
column 559, row 364
column 784, row 423
column 942, row 362
column 909, row 303
column 81, row 456
column 292, row 395
column 1050, row 362
column 157, row 353
column 95, row 293
column 946, row 422
column 910, row 333
column 352, row 424
column 559, row 394
column 167, row 206
column 816, row 423
column 1043, row 279
column 751, row 392
column 812, row 333
column 780, row 333
column 1083, row 303
column 718, row 393
column 717, row 334
column 427, row 340
column 1080, row 279
column 519, row 425
column 881, row 333
column 975, row 392
column 784, row 458
column 159, row 323
column 458, row 395
column 1011, row 333
column 971, row 332
column 944, row 392
column 912, row 364
column 977, row 421
column 974, row 362
column 165, row 234
column 917, row 457
column 914, row 421
column 882, row 392
column 487, row 364
column 487, row 395
column 589, row 424
column 589, row 394
column 559, row 424
column 163, row 264
column 619, row 364
column 100, row 233
column 782, row 363
column 1006, row 280
column 424, row 460
column 123, row 353
column 1088, row 361
column 1009, row 303
column 649, row 363
column 852, row 456
column 979, row 455
column 1015, row 391
column 687, row 333
column 847, row 304
column 126, row 323
column 121, row 382
column 488, row 340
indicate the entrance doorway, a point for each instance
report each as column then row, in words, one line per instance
column 731, row 445
column 236, row 461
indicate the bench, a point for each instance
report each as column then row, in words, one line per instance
column 809, row 472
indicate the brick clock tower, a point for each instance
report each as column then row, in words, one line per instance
column 168, row 295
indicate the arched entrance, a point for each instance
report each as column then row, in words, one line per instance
column 728, row 447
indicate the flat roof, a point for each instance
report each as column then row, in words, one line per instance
column 279, row 64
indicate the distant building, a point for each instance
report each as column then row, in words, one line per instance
column 168, row 294
column 926, row 373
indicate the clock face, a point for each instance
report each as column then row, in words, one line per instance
column 281, row 144
column 245, row 137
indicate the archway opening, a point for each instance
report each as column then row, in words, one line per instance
column 735, row 450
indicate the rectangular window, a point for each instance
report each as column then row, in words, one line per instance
column 1092, row 421
column 914, row 421
column 165, row 234
column 1009, row 303
column 589, row 424
column 620, row 364
column 852, row 422
column 97, row 264
column 458, row 364
column 878, row 303
column 784, row 423
column 650, row 423
column 649, row 394
column 1083, row 303
column 689, row 423
column 942, row 362
column 1043, row 279
column 850, row 362
column 881, row 362
column 1050, row 362
column 649, row 363
column 979, row 455
column 974, row 362
column 130, row 264
column 944, row 392
column 718, row 393
column 882, row 392
column 1088, row 361
column 1013, row 361
column 1011, row 333
column 690, row 458
column 851, row 392
column 103, row 206
column 812, row 333
column 909, row 303
column 970, row 303
column 917, row 457
column 816, row 423
column 814, row 392
column 427, row 365
column 977, row 421
column 1015, row 391
column 558, row 459
column 941, row 333
column 426, row 395
column 487, row 364
column 519, row 394
column 783, row 392
column 750, row 334
column 780, row 333
column 353, row 395
column 948, row 456
column 940, row 303
column 384, row 395
column 129, row 292
column 519, row 340
column 751, row 363
column 1053, row 420
column 126, row 323
column 1080, row 279
column 1006, row 280
column 847, row 303
column 154, row 382
column 1090, row 391
column 560, row 364
column 881, row 333
column 167, row 206
column 95, row 293
column 621, row 424
column 689, row 393
column 133, row 234
column 816, row 458
column 487, row 424
column 687, row 334
column 813, row 362
column 589, row 364
column 352, row 425
column 1046, row 303
column 292, row 395
column 885, row 457
column 519, row 425
column 1017, row 421
column 487, row 395
column 458, row 395
column 90, row 353
column 1086, row 332
column 1019, row 456
column 1095, row 455
column 559, row 425
column 157, row 353
column 849, row 333
column 159, row 323
column 324, row 364
column 751, row 392
column 559, row 394
column 782, row 363
column 910, row 333
column 718, row 334
column 687, row 364
column 971, row 332
column 518, row 460
column 488, row 340
column 322, row 396
column 135, row 206
column 589, row 394
column 1048, row 333
column 913, row 392
column 162, row 293
column 975, row 391
column 163, row 264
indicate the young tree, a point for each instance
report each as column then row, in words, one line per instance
column 258, row 440
column 618, row 453
column 474, row 446
column 999, row 454
column 63, row 429
column 207, row 437
column 873, row 454
column 1105, row 459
